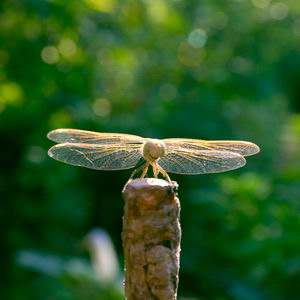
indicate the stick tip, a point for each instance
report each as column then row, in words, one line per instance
column 144, row 183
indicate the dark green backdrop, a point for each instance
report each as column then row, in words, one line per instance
column 204, row 69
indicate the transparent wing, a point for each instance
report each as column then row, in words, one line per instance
column 199, row 162
column 89, row 137
column 240, row 147
column 93, row 156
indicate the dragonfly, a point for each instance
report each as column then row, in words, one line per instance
column 118, row 151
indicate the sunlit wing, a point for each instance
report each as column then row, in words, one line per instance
column 94, row 156
column 89, row 137
column 191, row 156
column 240, row 147
column 200, row 161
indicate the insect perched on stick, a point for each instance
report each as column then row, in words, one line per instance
column 116, row 151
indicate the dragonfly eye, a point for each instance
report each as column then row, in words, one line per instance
column 153, row 149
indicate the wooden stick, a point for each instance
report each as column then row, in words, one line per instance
column 151, row 239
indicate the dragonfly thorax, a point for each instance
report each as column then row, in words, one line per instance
column 153, row 149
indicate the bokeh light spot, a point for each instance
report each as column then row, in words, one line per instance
column 67, row 47
column 168, row 92
column 102, row 5
column 189, row 56
column 296, row 27
column 260, row 232
column 261, row 3
column 275, row 230
column 279, row 11
column 102, row 107
column 240, row 65
column 10, row 93
column 220, row 20
column 59, row 119
column 32, row 30
column 50, row 55
column 158, row 10
column 197, row 38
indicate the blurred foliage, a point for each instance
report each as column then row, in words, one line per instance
column 205, row 69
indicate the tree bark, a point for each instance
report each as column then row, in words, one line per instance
column 151, row 239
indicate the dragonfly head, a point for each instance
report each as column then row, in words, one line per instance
column 153, row 149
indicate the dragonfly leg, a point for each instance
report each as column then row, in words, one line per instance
column 143, row 166
column 155, row 169
column 145, row 169
column 162, row 171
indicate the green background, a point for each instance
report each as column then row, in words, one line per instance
column 204, row 69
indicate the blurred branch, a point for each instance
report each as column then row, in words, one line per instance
column 103, row 255
column 151, row 239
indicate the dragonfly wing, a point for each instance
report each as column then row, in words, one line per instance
column 99, row 157
column 200, row 162
column 240, row 147
column 83, row 136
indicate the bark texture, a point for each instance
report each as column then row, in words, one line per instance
column 151, row 239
